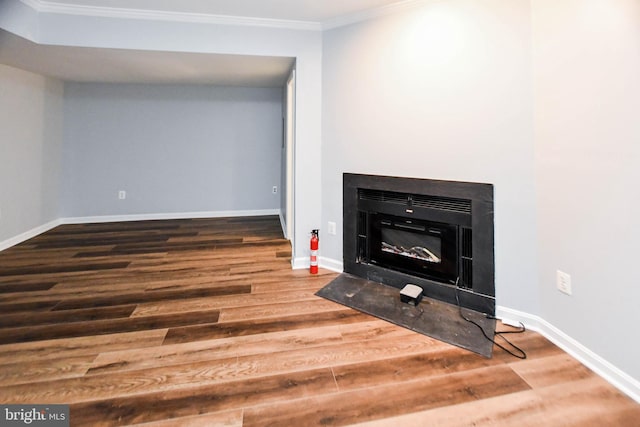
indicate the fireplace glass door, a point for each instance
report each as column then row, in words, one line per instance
column 424, row 248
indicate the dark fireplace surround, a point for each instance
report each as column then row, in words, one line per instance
column 430, row 233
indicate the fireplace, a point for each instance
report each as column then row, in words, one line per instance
column 435, row 234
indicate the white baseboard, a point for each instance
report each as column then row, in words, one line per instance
column 618, row 378
column 173, row 215
column 6, row 244
column 283, row 225
column 331, row 264
column 300, row 263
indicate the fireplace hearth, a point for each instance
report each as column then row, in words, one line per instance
column 431, row 233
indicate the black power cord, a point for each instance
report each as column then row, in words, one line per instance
column 519, row 353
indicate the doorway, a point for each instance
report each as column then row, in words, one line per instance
column 289, row 156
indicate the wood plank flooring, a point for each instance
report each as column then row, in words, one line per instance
column 203, row 322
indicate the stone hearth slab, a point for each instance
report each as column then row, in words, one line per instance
column 431, row 317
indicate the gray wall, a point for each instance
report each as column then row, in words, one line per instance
column 442, row 91
column 173, row 149
column 587, row 66
column 130, row 33
column 540, row 98
column 454, row 86
column 31, row 117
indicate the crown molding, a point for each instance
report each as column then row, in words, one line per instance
column 33, row 4
column 378, row 12
column 43, row 6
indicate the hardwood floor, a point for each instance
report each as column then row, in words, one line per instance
column 203, row 322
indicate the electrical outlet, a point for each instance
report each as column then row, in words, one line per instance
column 563, row 282
column 122, row 194
column 331, row 228
column 274, row 190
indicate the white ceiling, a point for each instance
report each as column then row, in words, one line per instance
column 129, row 66
column 136, row 66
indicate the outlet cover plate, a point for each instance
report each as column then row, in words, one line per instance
column 563, row 282
column 331, row 228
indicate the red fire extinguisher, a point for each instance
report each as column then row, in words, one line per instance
column 313, row 269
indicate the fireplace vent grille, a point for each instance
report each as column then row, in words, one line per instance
column 466, row 244
column 418, row 200
column 466, row 258
column 383, row 196
column 443, row 203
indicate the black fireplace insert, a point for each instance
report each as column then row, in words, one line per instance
column 435, row 234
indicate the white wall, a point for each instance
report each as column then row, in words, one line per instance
column 173, row 148
column 442, row 91
column 31, row 117
column 587, row 109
